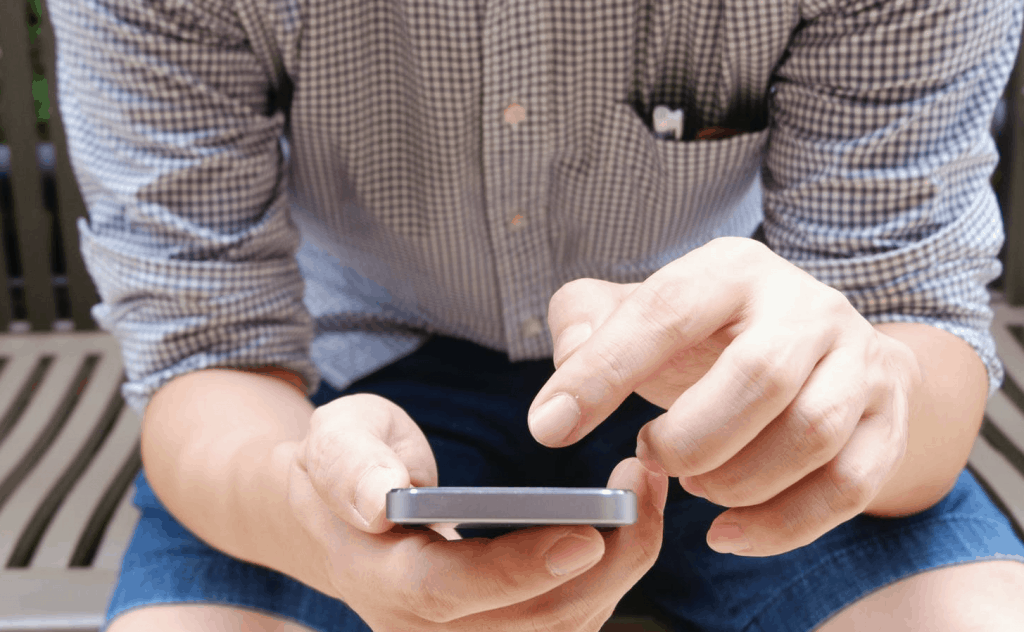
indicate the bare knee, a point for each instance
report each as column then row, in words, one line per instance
column 979, row 596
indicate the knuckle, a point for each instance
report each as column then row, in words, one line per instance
column 371, row 400
column 679, row 449
column 901, row 439
column 320, row 423
column 737, row 249
column 428, row 601
column 733, row 243
column 610, row 364
column 317, row 418
column 322, row 459
column 851, row 486
column 873, row 348
column 300, row 498
column 897, row 441
column 600, row 618
column 820, row 427
column 764, row 374
column 313, row 456
column 654, row 303
column 736, row 490
column 570, row 287
column 572, row 615
column 503, row 580
column 835, row 301
column 608, row 612
column 566, row 294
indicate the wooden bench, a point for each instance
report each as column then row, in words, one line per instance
column 69, row 445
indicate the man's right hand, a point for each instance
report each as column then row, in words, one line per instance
column 397, row 579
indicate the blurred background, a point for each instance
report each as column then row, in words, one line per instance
column 68, row 459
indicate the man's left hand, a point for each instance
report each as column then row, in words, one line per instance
column 782, row 402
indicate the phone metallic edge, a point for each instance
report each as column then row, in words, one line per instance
column 500, row 507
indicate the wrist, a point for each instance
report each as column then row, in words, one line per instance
column 217, row 445
column 269, row 532
column 947, row 388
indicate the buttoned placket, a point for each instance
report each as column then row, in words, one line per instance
column 516, row 122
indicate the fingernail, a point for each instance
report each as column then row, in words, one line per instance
column 371, row 493
column 570, row 340
column 571, row 553
column 727, row 538
column 555, row 419
column 644, row 454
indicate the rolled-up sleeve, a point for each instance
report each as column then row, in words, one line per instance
column 877, row 178
column 179, row 157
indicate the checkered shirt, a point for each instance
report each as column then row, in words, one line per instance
column 321, row 185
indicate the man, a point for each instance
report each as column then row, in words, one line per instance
column 403, row 209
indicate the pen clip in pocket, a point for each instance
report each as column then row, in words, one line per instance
column 667, row 123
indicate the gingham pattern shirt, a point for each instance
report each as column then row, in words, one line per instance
column 321, row 185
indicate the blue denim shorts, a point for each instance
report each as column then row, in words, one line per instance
column 471, row 403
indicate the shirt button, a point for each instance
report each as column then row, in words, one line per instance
column 515, row 114
column 532, row 327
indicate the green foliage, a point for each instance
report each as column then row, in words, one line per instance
column 40, row 90
column 35, row 17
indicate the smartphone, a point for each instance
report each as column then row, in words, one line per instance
column 512, row 507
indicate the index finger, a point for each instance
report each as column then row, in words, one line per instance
column 674, row 309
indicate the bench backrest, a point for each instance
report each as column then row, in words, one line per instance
column 43, row 283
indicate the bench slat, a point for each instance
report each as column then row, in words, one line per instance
column 17, row 371
column 90, row 541
column 62, row 453
column 48, row 599
column 1004, row 479
column 1007, row 418
column 35, row 486
column 16, row 458
column 56, row 548
column 118, row 534
column 1008, row 347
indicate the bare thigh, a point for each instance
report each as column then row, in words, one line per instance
column 976, row 597
column 200, row 617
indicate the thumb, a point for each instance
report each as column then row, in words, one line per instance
column 651, row 489
column 632, row 550
column 360, row 447
column 635, row 547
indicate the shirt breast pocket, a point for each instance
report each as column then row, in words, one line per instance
column 640, row 195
